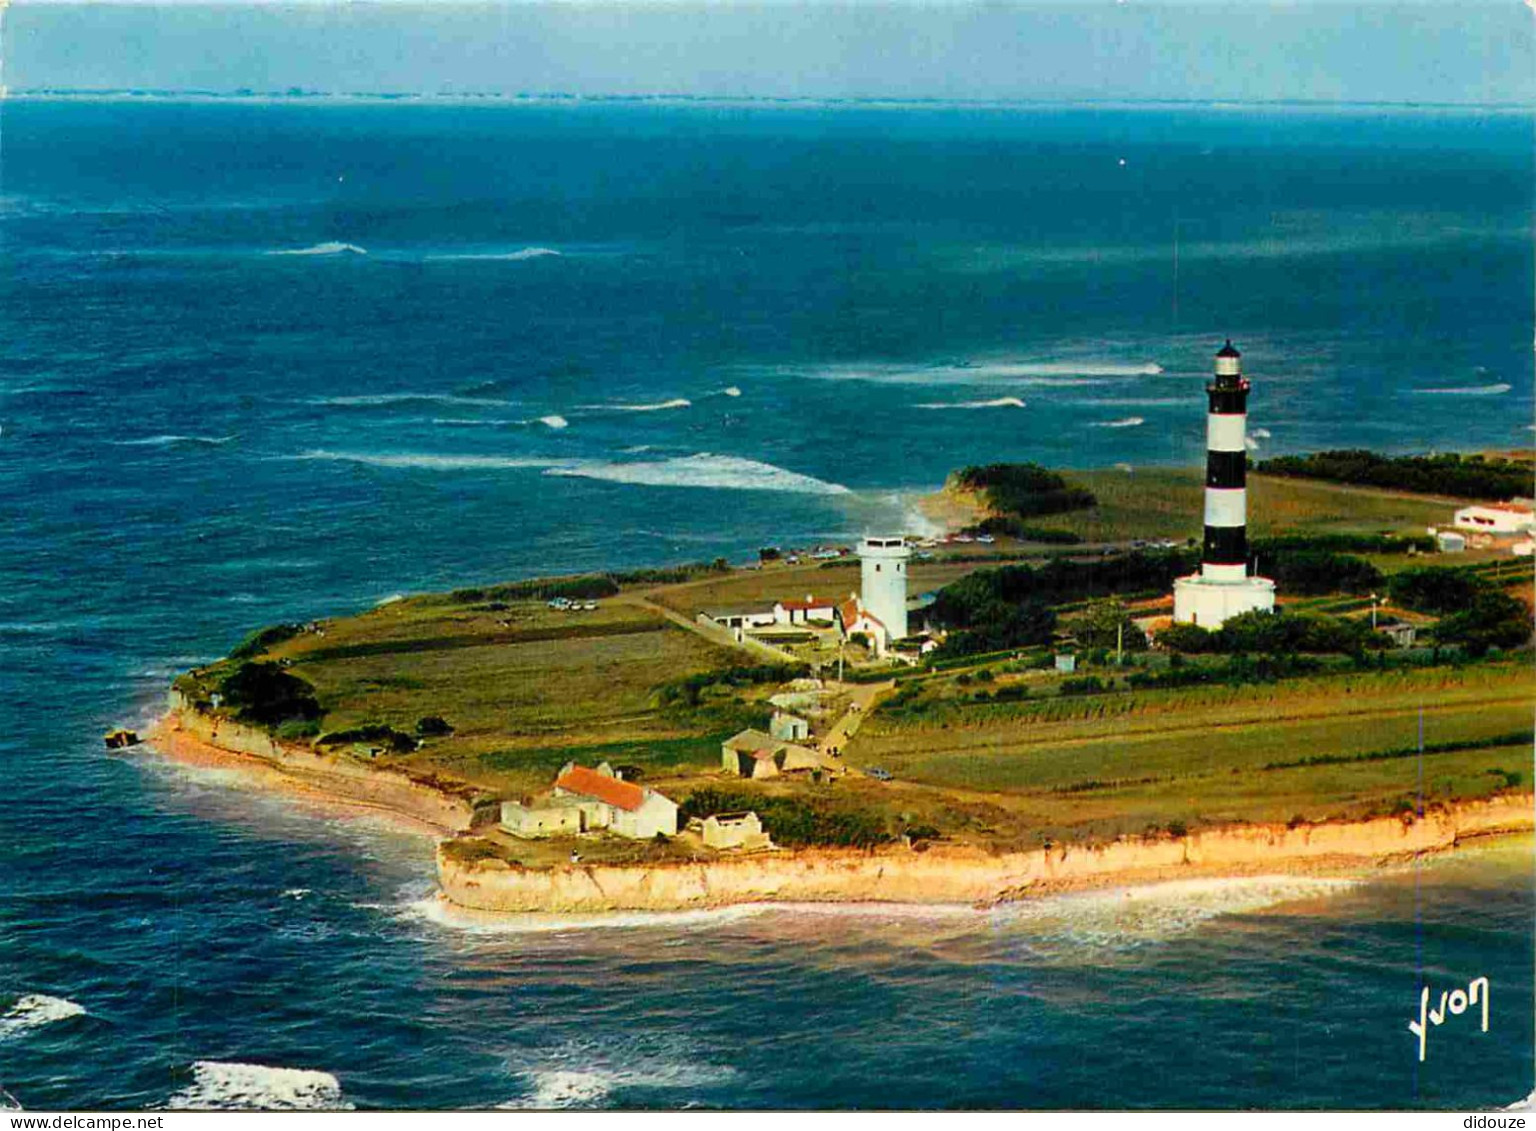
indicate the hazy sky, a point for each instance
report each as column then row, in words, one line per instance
column 1378, row 50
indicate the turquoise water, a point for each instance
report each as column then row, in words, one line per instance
column 534, row 339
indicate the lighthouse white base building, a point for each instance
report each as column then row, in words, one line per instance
column 1209, row 602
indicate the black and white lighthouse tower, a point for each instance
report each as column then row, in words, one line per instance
column 1223, row 588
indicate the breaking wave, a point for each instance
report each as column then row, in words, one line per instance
column 996, row 402
column 381, row 400
column 1044, row 373
column 702, row 470
column 504, row 256
column 658, row 406
column 426, row 461
column 331, row 247
column 554, row 420
column 1126, row 918
column 33, row 1011
column 585, row 1074
column 437, row 910
column 1469, row 390
column 172, row 440
column 1124, row 422
column 731, row 391
column 228, row 1086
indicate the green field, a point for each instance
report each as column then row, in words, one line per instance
column 1168, row 503
column 526, row 688
column 1107, row 764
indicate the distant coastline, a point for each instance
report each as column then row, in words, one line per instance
column 516, row 98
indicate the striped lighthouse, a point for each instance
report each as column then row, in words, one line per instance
column 1223, row 587
column 1225, row 556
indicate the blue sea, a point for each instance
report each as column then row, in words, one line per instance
column 268, row 361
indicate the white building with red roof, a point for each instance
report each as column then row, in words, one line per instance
column 585, row 800
column 796, row 611
column 853, row 618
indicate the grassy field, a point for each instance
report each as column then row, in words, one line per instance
column 1102, row 765
column 1168, row 503
column 527, row 688
column 524, row 687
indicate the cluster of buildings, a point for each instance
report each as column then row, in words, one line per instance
column 757, row 756
column 1486, row 526
column 880, row 612
column 586, row 800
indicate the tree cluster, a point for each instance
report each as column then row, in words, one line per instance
column 1024, row 490
column 1470, row 477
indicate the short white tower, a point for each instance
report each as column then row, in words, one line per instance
column 883, row 591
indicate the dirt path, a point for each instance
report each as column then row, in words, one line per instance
column 717, row 634
column 861, row 700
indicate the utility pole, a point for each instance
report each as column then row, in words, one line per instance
column 1120, row 643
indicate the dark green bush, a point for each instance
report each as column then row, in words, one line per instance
column 262, row 692
column 1024, row 490
column 264, row 639
column 1470, row 477
column 377, row 734
column 433, row 726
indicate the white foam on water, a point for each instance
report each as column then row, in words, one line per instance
column 656, row 406
column 554, row 420
column 1089, row 371
column 1250, row 443
column 232, row 1086
column 1527, row 1104
column 437, row 910
column 1125, row 422
column 169, row 440
column 330, row 247
column 731, row 391
column 1122, row 918
column 702, row 470
column 518, row 256
column 995, row 402
column 33, row 1011
column 1468, row 390
column 297, row 893
column 9, row 1102
column 584, row 1074
column 1261, row 433
column 376, row 400
column 427, row 461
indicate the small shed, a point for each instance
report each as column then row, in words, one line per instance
column 789, row 728
column 738, row 752
column 735, row 831
column 535, row 822
column 1450, row 542
column 1066, row 662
